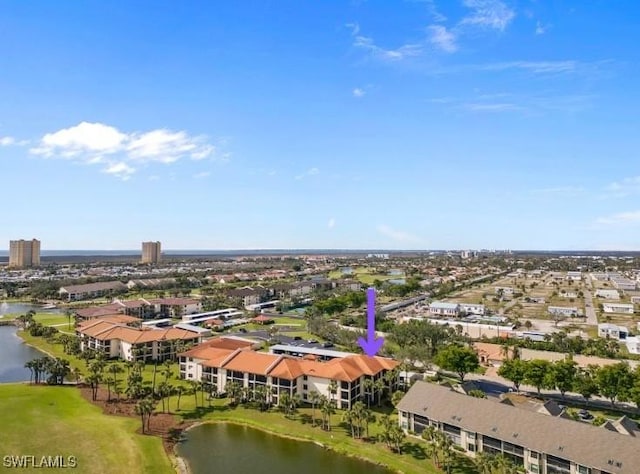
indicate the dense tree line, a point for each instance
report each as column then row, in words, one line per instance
column 616, row 382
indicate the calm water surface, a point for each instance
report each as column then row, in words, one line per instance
column 13, row 355
column 224, row 448
column 22, row 308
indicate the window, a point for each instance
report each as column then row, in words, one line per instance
column 471, row 447
column 304, row 387
column 534, row 454
column 534, row 468
column 584, row 470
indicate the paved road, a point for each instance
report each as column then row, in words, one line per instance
column 494, row 385
column 590, row 312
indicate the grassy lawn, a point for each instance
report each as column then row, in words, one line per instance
column 413, row 459
column 52, row 421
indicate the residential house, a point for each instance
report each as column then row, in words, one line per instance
column 350, row 285
column 607, row 294
column 440, row 308
column 633, row 344
column 470, row 308
column 539, row 443
column 504, row 290
column 568, row 294
column 92, row 290
column 612, row 331
column 567, row 311
column 617, row 308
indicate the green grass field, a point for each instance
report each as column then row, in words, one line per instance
column 57, row 421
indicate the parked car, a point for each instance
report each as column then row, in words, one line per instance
column 585, row 415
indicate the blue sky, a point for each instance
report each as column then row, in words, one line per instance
column 287, row 124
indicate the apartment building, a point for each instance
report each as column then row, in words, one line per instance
column 539, row 443
column 151, row 252
column 278, row 372
column 24, row 253
column 118, row 340
column 91, row 290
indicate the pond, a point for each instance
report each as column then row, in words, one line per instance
column 22, row 308
column 223, row 448
column 13, row 355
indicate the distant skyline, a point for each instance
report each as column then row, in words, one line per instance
column 418, row 124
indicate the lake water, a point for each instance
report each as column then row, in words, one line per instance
column 225, row 448
column 22, row 308
column 13, row 355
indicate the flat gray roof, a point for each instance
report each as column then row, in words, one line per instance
column 309, row 350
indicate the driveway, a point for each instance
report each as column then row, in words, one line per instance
column 589, row 310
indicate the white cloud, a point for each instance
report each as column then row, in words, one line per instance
column 357, row 92
column 405, row 51
column 624, row 187
column 442, row 38
column 94, row 138
column 492, row 14
column 309, row 172
column 397, row 235
column 332, row 223
column 559, row 191
column 7, row 141
column 119, row 170
column 93, row 143
column 541, row 29
column 491, row 107
column 632, row 217
column 354, row 27
column 202, row 174
column 537, row 67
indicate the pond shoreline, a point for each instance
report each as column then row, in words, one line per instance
column 184, row 463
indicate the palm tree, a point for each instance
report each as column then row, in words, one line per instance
column 283, row 403
column 180, row 390
column 314, row 399
column 30, row 365
column 367, row 385
column 379, row 386
column 115, row 369
column 144, row 408
column 349, row 417
column 167, row 370
column 484, row 463
column 193, row 390
column 327, row 409
column 76, row 374
column 397, row 396
column 333, row 389
column 234, row 390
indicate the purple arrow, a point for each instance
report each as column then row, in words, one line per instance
column 372, row 344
